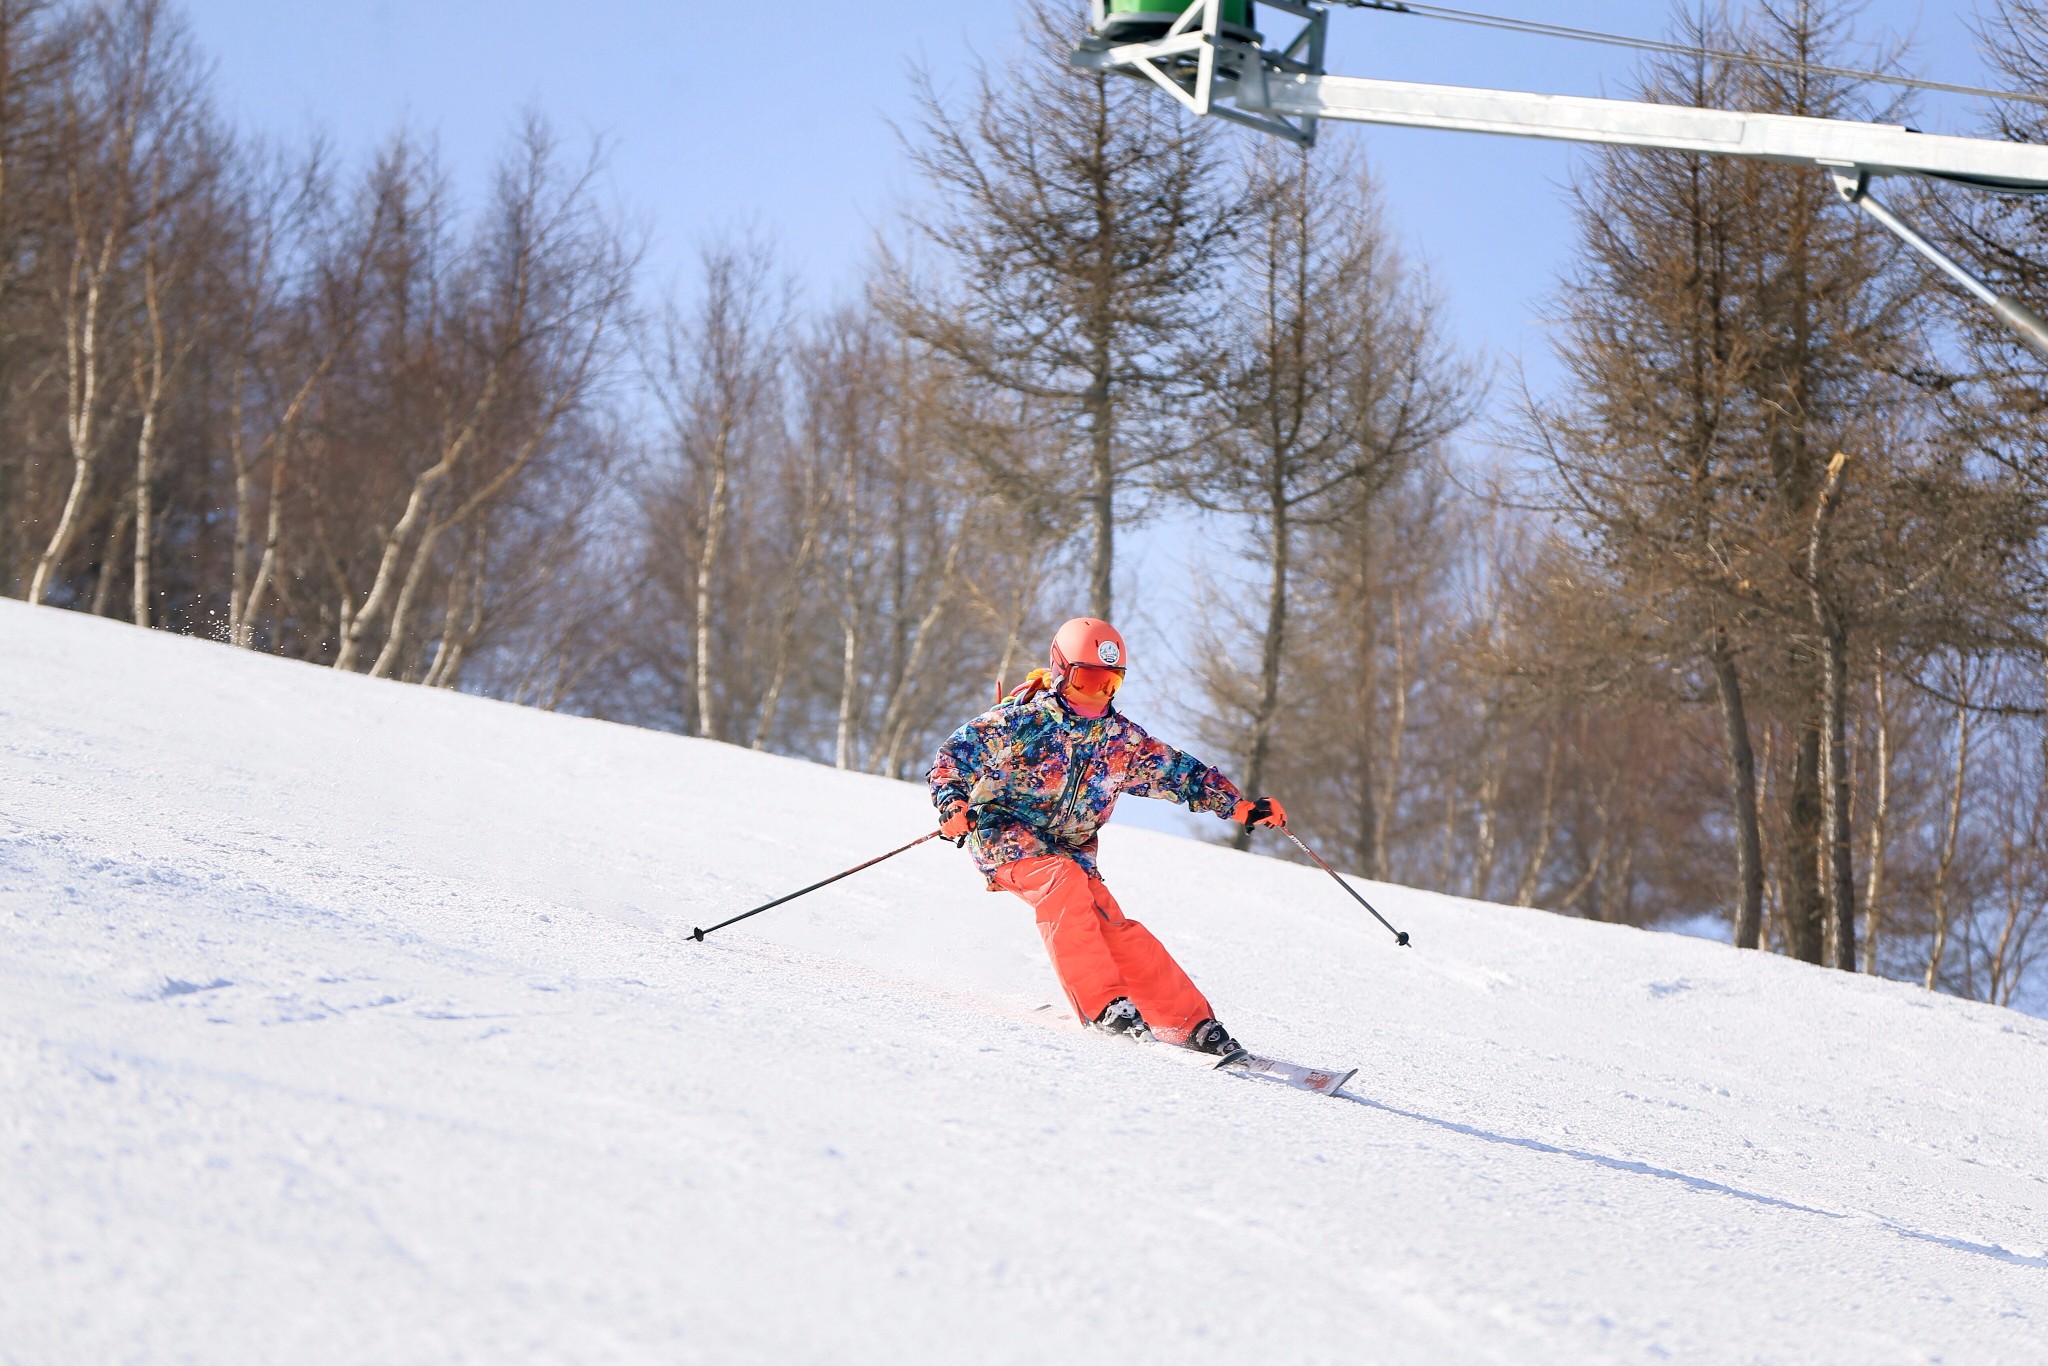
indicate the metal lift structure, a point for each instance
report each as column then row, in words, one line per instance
column 1208, row 55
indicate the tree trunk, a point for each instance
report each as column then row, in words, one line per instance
column 1841, row 863
column 1486, row 832
column 400, row 630
column 1366, row 758
column 462, row 619
column 67, row 527
column 1101, row 499
column 1014, row 641
column 1450, row 849
column 150, row 373
column 1838, row 867
column 356, row 621
column 1740, row 759
column 245, row 491
column 145, row 512
column 849, row 617
column 273, row 543
column 785, row 626
column 243, row 599
column 1945, row 854
column 707, row 564
column 849, row 675
column 1104, row 298
column 1617, row 889
column 103, row 584
column 1805, row 900
column 2007, row 967
column 82, row 373
column 1546, row 816
column 1596, row 864
column 896, row 717
column 1873, row 886
column 1395, row 732
column 1776, row 900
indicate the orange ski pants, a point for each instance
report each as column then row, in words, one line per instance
column 1098, row 953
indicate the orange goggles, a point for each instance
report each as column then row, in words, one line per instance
column 1095, row 680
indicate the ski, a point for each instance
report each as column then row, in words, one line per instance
column 1245, row 1063
column 1322, row 1081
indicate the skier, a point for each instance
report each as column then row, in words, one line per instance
column 1027, row 785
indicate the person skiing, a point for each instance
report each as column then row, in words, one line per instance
column 1027, row 785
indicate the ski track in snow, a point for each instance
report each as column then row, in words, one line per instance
column 349, row 1021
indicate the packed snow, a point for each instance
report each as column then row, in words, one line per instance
column 343, row 1020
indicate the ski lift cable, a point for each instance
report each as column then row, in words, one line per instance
column 1586, row 35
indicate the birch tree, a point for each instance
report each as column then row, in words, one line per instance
column 717, row 373
column 119, row 105
column 38, row 46
column 183, row 225
column 297, row 294
column 492, row 350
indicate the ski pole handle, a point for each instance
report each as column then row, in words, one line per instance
column 1400, row 936
column 698, row 934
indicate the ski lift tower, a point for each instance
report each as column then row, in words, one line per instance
column 1210, row 56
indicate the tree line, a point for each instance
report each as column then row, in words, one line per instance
column 1742, row 623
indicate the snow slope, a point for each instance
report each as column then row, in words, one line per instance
column 348, row 1021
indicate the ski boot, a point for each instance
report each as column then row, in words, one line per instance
column 1121, row 1017
column 1211, row 1037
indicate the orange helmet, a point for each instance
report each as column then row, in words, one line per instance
column 1089, row 643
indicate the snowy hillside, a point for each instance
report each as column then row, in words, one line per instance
column 349, row 1021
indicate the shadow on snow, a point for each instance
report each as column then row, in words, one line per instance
column 1698, row 1183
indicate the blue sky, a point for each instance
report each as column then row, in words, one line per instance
column 777, row 117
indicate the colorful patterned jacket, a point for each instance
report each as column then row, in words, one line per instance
column 1041, row 779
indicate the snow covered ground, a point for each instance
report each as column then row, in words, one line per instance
column 348, row 1021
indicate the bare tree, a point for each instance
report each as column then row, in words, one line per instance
column 1878, row 823
column 122, row 109
column 1730, row 332
column 1951, row 829
column 297, row 295
column 500, row 347
column 1334, row 382
column 1080, row 226
column 39, row 46
column 717, row 372
column 183, row 221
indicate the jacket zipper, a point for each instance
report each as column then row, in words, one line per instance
column 1077, row 770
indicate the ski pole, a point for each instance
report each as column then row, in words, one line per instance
column 698, row 934
column 1400, row 936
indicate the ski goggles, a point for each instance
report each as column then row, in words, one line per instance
column 1095, row 680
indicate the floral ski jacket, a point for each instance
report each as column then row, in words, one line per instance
column 1041, row 779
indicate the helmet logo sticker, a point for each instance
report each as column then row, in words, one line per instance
column 1107, row 652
